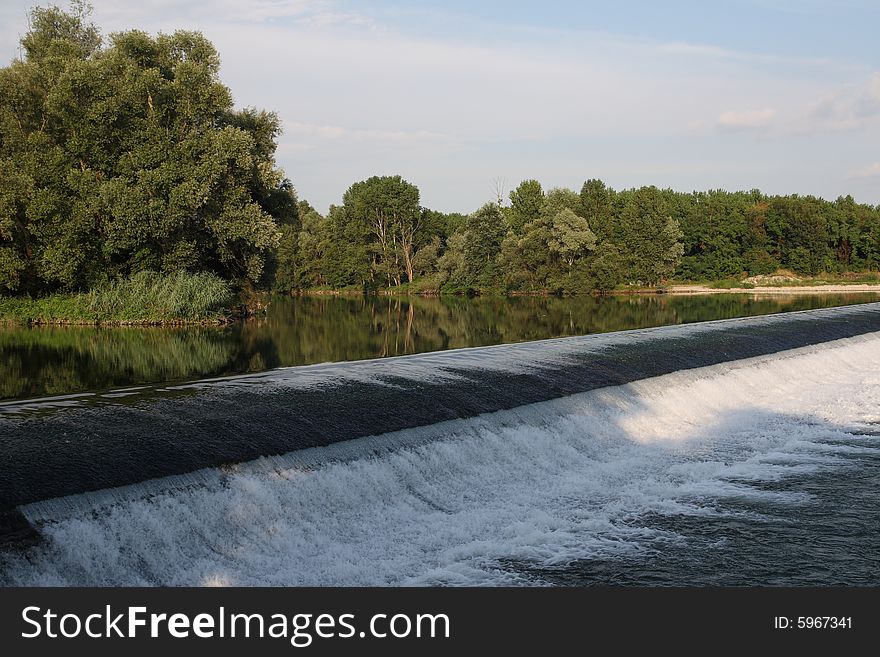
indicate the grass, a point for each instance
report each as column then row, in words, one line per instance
column 145, row 298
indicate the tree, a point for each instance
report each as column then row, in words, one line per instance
column 714, row 226
column 346, row 251
column 54, row 33
column 564, row 236
column 526, row 202
column 452, row 265
column 570, row 236
column 485, row 231
column 389, row 206
column 129, row 156
column 595, row 206
column 755, row 244
column 425, row 259
column 799, row 228
column 648, row 237
column 607, row 267
column 312, row 242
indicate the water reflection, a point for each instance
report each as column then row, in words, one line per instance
column 296, row 331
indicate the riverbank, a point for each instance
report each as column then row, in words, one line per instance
column 672, row 289
column 145, row 299
column 835, row 288
column 190, row 301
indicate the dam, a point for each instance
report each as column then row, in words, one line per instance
column 553, row 461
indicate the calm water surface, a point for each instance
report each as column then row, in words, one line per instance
column 38, row 361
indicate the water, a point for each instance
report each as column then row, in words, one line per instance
column 761, row 470
column 65, row 360
column 60, row 446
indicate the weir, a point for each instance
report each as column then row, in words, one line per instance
column 56, row 447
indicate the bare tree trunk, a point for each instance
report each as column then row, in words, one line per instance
column 407, row 240
column 396, row 258
column 380, row 229
column 407, row 261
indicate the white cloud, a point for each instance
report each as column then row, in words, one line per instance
column 849, row 107
column 872, row 171
column 749, row 120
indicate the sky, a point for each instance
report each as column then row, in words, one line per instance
column 466, row 98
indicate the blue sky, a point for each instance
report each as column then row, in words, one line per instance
column 459, row 97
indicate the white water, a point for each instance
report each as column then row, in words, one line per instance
column 542, row 485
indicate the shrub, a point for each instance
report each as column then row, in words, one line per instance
column 146, row 297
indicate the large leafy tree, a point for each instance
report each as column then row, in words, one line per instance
column 346, row 253
column 595, row 206
column 570, row 236
column 484, row 233
column 128, row 155
column 387, row 207
column 799, row 226
column 526, row 202
column 648, row 237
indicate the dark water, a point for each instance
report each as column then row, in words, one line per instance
column 296, row 331
column 54, row 447
column 727, row 459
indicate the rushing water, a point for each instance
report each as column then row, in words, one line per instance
column 63, row 360
column 758, row 471
column 744, row 452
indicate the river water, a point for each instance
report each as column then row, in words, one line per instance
column 298, row 331
column 750, row 471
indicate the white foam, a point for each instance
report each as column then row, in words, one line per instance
column 457, row 502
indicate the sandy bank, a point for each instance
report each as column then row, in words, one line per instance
column 792, row 289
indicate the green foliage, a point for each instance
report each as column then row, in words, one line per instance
column 386, row 211
column 286, row 260
column 595, row 207
column 120, row 157
column 145, row 297
column 570, row 236
column 485, row 230
column 648, row 236
column 347, row 251
column 425, row 259
column 759, row 262
column 802, row 262
column 526, row 203
column 607, row 267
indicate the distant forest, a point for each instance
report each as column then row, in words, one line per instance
column 126, row 155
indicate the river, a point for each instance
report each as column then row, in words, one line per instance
column 741, row 452
column 45, row 360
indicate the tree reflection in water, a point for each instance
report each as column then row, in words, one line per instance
column 38, row 361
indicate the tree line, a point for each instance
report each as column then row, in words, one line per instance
column 127, row 155
column 562, row 241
